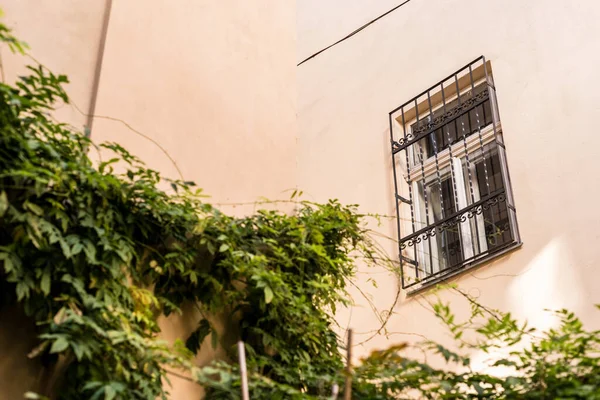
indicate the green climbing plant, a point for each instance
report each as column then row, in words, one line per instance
column 95, row 256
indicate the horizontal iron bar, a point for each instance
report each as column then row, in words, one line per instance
column 403, row 199
column 454, row 215
column 397, row 147
column 409, row 261
column 477, row 259
column 437, row 84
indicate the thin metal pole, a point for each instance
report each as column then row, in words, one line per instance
column 348, row 388
column 243, row 371
column 335, row 390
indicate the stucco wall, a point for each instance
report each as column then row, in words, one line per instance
column 544, row 58
column 211, row 83
column 64, row 36
column 213, row 87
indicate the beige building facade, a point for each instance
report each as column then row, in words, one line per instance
column 211, row 92
column 543, row 58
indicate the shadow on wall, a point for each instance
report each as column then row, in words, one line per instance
column 18, row 337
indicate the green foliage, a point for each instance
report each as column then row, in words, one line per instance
column 72, row 243
column 562, row 363
column 96, row 252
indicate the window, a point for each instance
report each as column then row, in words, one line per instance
column 453, row 197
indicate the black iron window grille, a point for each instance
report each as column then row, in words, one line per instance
column 453, row 197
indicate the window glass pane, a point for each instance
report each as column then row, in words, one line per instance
column 448, row 251
column 496, row 220
column 487, row 112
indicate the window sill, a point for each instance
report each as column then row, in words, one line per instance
column 426, row 285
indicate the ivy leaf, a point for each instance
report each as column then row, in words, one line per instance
column 214, row 339
column 37, row 350
column 195, row 340
column 45, row 282
column 59, row 345
column 268, row 294
column 91, row 385
column 8, row 264
column 478, row 388
column 76, row 249
column 34, row 208
column 90, row 251
column 193, row 278
column 78, row 351
column 98, row 393
column 109, row 393
column 3, row 203
column 22, row 291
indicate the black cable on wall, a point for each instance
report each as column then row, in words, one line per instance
column 353, row 33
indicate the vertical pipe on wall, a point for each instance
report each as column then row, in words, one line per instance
column 98, row 68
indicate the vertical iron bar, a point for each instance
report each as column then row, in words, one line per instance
column 483, row 109
column 450, row 151
column 435, row 153
column 410, row 196
column 424, row 187
column 396, row 200
column 439, row 176
column 485, row 171
column 509, row 194
column 462, row 122
column 493, row 222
